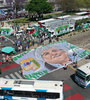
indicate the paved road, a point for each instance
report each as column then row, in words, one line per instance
column 73, row 91
column 72, row 88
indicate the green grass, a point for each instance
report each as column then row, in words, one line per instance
column 20, row 20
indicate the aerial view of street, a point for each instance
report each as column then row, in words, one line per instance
column 44, row 41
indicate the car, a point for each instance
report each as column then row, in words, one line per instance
column 19, row 33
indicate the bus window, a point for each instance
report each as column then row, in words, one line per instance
column 80, row 76
column 18, row 93
column 88, row 78
column 1, row 92
column 10, row 93
column 27, row 94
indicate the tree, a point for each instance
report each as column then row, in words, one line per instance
column 73, row 5
column 87, row 3
column 83, row 3
column 38, row 6
column 68, row 5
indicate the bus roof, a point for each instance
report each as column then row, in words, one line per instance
column 65, row 16
column 85, row 68
column 46, row 20
column 31, row 84
column 81, row 13
column 79, row 17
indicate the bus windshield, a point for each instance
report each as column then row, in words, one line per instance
column 88, row 78
column 81, row 74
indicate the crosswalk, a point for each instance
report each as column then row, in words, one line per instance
column 15, row 75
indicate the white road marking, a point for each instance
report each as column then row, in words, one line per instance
column 12, row 76
column 7, row 76
column 18, row 75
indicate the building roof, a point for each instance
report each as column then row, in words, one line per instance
column 66, row 16
column 79, row 17
column 81, row 13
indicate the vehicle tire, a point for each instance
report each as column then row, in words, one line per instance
column 5, row 99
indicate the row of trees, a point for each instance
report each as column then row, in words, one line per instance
column 40, row 7
column 73, row 5
column 43, row 6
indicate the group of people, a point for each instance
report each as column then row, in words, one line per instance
column 26, row 40
column 6, row 58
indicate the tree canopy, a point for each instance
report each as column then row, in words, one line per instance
column 73, row 5
column 38, row 6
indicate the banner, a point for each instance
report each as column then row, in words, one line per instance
column 45, row 59
column 6, row 31
column 62, row 29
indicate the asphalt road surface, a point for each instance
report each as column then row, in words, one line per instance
column 71, row 90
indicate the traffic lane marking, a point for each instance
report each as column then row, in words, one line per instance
column 9, row 67
column 66, row 87
column 76, row 96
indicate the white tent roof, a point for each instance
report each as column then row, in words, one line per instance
column 43, row 21
column 66, row 16
column 79, row 17
column 80, row 13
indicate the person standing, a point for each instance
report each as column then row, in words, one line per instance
column 57, row 39
column 65, row 67
column 50, row 40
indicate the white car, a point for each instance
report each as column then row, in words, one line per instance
column 19, row 33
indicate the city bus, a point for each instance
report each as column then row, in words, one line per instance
column 82, row 75
column 22, row 89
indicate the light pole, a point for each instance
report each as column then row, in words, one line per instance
column 14, row 12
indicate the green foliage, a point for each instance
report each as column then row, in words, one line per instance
column 68, row 5
column 47, row 16
column 79, row 22
column 38, row 6
column 73, row 5
column 21, row 20
column 83, row 3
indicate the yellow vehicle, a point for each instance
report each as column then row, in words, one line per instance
column 29, row 64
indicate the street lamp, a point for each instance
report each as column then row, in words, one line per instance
column 14, row 11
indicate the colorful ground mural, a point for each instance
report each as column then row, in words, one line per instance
column 45, row 59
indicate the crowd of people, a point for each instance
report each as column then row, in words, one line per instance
column 6, row 58
column 27, row 40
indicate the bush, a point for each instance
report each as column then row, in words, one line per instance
column 47, row 16
column 83, row 31
column 21, row 20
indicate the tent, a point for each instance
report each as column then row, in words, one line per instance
column 8, row 50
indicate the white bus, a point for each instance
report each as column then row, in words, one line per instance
column 21, row 89
column 82, row 75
